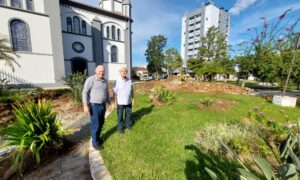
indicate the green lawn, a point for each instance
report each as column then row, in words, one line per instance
column 161, row 144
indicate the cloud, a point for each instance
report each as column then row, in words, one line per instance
column 241, row 5
column 253, row 20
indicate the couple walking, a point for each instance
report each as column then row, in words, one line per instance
column 95, row 95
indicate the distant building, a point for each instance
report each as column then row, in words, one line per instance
column 55, row 38
column 195, row 25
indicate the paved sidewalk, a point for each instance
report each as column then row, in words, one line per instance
column 75, row 164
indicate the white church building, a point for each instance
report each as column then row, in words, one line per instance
column 55, row 38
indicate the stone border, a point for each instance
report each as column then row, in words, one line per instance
column 97, row 166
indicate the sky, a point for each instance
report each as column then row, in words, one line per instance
column 154, row 17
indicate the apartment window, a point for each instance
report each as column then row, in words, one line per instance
column 69, row 24
column 191, row 31
column 76, row 23
column 83, row 30
column 29, row 5
column 20, row 36
column 16, row 3
column 207, row 19
column 113, row 32
column 190, row 43
column 114, row 54
column 107, row 32
column 119, row 34
column 2, row 2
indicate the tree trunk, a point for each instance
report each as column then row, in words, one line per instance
column 298, row 84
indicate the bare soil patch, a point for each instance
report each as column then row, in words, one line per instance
column 67, row 111
column 218, row 105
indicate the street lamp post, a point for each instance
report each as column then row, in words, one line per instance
column 297, row 46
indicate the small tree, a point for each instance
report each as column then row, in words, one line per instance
column 212, row 56
column 271, row 49
column 173, row 60
column 154, row 53
column 213, row 46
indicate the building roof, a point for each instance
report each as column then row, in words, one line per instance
column 95, row 9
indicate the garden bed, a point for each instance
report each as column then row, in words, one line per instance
column 162, row 142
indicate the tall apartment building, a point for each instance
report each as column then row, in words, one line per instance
column 195, row 25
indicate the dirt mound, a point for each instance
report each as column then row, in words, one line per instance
column 62, row 104
column 176, row 84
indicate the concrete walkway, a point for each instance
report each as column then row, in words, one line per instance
column 75, row 164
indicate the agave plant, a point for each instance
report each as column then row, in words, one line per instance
column 289, row 167
column 36, row 129
column 76, row 83
column 163, row 95
column 206, row 101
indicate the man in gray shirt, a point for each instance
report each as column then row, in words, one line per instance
column 95, row 95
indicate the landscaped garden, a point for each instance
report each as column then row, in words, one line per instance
column 179, row 139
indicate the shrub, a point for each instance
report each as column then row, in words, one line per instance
column 234, row 134
column 289, row 167
column 270, row 126
column 163, row 95
column 206, row 101
column 36, row 129
column 76, row 83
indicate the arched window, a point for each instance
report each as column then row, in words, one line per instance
column 119, row 34
column 2, row 2
column 69, row 24
column 29, row 5
column 20, row 36
column 83, row 24
column 114, row 54
column 113, row 32
column 107, row 32
column 16, row 3
column 76, row 23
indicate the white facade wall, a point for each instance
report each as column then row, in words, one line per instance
column 107, row 5
column 68, row 40
column 121, row 50
column 36, row 69
column 183, row 30
column 211, row 17
column 118, row 7
column 112, row 70
column 36, row 66
column 69, row 53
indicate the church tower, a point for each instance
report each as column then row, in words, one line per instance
column 117, row 6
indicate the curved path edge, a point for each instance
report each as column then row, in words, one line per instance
column 97, row 166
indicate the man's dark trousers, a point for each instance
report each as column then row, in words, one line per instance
column 127, row 109
column 97, row 113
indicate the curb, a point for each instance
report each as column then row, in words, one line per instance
column 97, row 166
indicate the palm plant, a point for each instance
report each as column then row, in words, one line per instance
column 76, row 82
column 36, row 129
column 7, row 54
